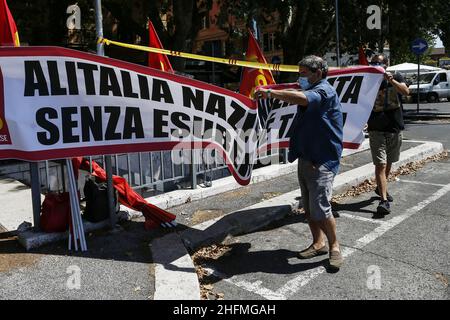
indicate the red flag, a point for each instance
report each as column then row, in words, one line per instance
column 362, row 59
column 154, row 216
column 157, row 60
column 8, row 30
column 251, row 78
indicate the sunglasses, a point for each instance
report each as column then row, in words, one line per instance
column 376, row 64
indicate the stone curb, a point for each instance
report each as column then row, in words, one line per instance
column 32, row 239
column 426, row 117
column 175, row 270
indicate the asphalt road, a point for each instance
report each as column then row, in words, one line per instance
column 442, row 107
column 406, row 255
column 403, row 256
column 430, row 130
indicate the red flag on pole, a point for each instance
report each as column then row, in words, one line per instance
column 251, row 78
column 8, row 30
column 157, row 60
column 362, row 59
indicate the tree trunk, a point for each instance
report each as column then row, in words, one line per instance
column 183, row 12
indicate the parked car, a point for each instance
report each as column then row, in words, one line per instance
column 432, row 86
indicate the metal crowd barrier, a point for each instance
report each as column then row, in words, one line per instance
column 146, row 172
column 150, row 173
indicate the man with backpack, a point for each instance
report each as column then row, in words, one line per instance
column 385, row 127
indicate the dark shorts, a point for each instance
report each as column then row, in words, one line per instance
column 385, row 146
column 316, row 185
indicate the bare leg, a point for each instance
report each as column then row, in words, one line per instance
column 328, row 226
column 317, row 234
column 388, row 170
column 380, row 176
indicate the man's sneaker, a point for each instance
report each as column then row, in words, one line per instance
column 388, row 196
column 383, row 208
column 336, row 260
column 310, row 252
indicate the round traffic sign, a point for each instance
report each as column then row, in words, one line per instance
column 419, row 46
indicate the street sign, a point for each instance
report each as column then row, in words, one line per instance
column 419, row 46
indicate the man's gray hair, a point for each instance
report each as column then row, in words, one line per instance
column 315, row 63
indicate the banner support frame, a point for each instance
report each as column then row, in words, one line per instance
column 108, row 161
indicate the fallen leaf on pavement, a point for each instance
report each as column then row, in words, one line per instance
column 208, row 287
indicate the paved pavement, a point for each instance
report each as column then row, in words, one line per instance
column 118, row 265
column 212, row 207
column 248, row 220
column 432, row 129
column 403, row 256
column 16, row 204
column 428, row 111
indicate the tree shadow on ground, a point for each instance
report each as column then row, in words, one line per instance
column 131, row 242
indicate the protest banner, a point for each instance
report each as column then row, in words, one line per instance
column 357, row 88
column 60, row 103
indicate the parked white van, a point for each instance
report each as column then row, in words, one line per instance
column 432, row 86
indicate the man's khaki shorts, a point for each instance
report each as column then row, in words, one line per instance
column 385, row 146
column 316, row 184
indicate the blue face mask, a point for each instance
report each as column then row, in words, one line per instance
column 304, row 83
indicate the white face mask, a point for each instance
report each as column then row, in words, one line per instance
column 304, row 83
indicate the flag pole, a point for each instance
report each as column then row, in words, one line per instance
column 108, row 164
column 338, row 58
column 99, row 26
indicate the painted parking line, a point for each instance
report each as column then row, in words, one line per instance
column 421, row 182
column 255, row 287
column 353, row 217
column 294, row 285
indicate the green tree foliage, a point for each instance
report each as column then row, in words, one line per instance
column 443, row 24
column 306, row 26
column 177, row 31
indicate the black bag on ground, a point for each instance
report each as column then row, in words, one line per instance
column 96, row 196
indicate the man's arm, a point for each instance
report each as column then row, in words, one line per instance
column 290, row 96
column 400, row 87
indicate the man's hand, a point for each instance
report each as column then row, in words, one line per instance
column 262, row 93
column 290, row 96
column 399, row 87
column 389, row 77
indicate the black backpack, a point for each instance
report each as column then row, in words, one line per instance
column 96, row 196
